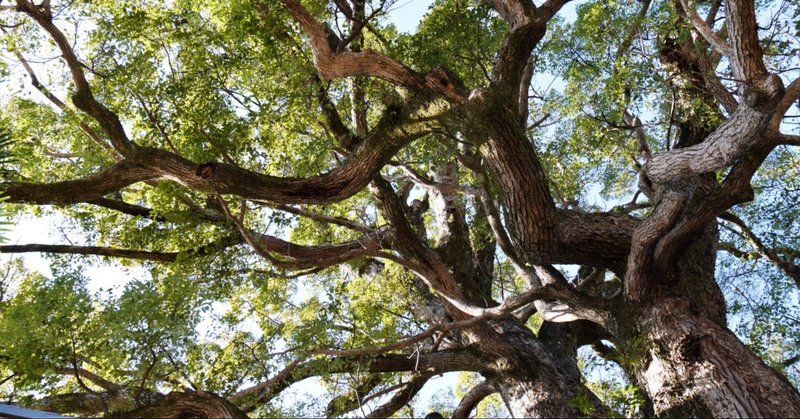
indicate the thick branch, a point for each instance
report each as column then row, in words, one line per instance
column 94, row 378
column 394, row 132
column 746, row 58
column 401, row 398
column 724, row 146
column 332, row 64
column 470, row 400
column 528, row 26
column 525, row 33
column 638, row 275
column 189, row 405
column 90, row 188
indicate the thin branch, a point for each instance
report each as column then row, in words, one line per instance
column 91, row 250
column 304, row 257
column 324, row 218
column 524, row 85
column 638, row 130
column 304, row 367
column 60, row 104
column 83, row 97
column 126, row 208
column 167, row 257
column 790, row 269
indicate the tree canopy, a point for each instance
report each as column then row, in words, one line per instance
column 528, row 193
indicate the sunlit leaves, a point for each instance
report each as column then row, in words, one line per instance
column 458, row 34
column 60, row 325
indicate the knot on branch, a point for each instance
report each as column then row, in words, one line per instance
column 446, row 82
column 206, row 170
column 765, row 94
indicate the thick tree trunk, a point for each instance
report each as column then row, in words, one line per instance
column 691, row 366
column 189, row 405
column 685, row 358
column 537, row 376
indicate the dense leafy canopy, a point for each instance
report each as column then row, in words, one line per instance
column 241, row 289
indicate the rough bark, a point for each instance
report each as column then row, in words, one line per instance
column 536, row 376
column 686, row 360
column 692, row 366
column 188, row 405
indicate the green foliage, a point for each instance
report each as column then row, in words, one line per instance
column 59, row 328
column 6, row 160
column 604, row 379
column 457, row 35
column 490, row 407
column 222, row 81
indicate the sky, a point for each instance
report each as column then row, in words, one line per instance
column 406, row 14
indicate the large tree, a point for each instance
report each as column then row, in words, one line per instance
column 342, row 200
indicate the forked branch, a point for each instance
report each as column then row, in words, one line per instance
column 332, row 64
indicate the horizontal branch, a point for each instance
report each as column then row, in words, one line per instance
column 91, row 250
column 326, row 254
column 394, row 132
column 92, row 187
column 126, row 208
column 323, row 218
column 428, row 363
column 724, row 146
column 167, row 257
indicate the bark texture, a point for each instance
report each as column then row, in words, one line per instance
column 695, row 367
column 179, row 405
